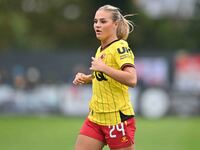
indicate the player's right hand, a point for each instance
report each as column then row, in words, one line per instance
column 80, row 78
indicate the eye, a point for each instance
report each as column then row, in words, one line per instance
column 103, row 21
column 95, row 21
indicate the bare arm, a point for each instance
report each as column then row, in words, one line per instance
column 126, row 76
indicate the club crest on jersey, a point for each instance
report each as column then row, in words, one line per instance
column 99, row 76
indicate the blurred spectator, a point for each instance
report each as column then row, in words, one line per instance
column 33, row 76
column 19, row 79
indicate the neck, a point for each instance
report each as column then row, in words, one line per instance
column 104, row 43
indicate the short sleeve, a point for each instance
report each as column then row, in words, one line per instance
column 124, row 56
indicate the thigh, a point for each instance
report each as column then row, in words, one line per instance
column 87, row 143
column 121, row 136
column 91, row 137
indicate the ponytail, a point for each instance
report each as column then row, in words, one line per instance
column 125, row 27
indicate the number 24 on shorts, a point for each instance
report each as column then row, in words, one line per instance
column 118, row 128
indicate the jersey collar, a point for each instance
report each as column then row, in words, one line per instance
column 101, row 49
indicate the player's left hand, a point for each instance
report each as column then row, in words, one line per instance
column 97, row 64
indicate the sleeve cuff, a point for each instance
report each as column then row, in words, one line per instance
column 127, row 65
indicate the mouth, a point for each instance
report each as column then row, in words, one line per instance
column 98, row 31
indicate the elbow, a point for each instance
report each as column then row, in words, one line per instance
column 133, row 83
column 131, row 77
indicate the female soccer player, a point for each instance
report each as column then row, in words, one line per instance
column 111, row 117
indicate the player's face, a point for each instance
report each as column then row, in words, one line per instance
column 104, row 26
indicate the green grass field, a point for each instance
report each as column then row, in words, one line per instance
column 59, row 133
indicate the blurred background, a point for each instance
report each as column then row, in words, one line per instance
column 44, row 43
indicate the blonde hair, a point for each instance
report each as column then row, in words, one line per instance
column 125, row 26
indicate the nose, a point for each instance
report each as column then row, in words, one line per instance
column 97, row 24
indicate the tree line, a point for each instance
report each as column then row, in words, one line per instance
column 58, row 25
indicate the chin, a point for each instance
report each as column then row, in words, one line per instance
column 99, row 37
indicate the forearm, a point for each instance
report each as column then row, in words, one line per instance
column 127, row 76
column 89, row 78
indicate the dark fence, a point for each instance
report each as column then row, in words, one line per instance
column 42, row 83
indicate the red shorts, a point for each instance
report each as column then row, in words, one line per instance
column 117, row 136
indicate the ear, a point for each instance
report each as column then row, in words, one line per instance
column 116, row 23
